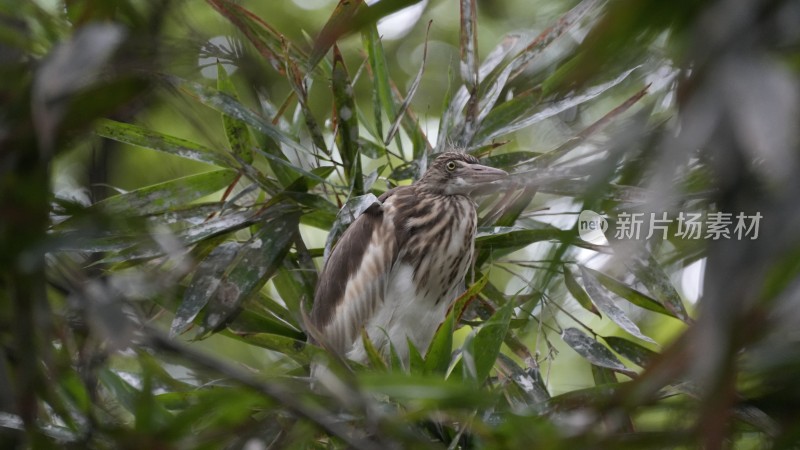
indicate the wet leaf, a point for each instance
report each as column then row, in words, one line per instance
column 205, row 280
column 298, row 350
column 142, row 137
column 373, row 355
column 607, row 306
column 529, row 380
column 351, row 16
column 483, row 344
column 550, row 34
column 578, row 293
column 226, row 104
column 255, row 262
column 169, row 195
column 235, row 130
column 635, row 353
column 264, row 38
column 593, row 351
column 660, row 286
column 437, row 359
column 411, row 91
column 628, row 293
column 524, row 111
column 382, row 90
column 347, row 138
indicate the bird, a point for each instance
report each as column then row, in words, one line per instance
column 399, row 266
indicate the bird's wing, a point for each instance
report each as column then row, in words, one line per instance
column 352, row 284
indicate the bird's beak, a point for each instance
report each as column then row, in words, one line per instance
column 479, row 174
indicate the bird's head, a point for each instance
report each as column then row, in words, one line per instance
column 454, row 173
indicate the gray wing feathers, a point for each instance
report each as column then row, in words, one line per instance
column 353, row 281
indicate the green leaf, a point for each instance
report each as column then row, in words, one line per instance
column 603, row 376
column 382, row 91
column 593, row 351
column 660, row 286
column 227, row 105
column 529, row 380
column 347, row 138
column 298, row 350
column 635, row 353
column 168, row 195
column 375, row 359
column 521, row 112
column 578, row 293
column 425, row 391
column 254, row 264
column 437, row 358
column 483, row 345
column 142, row 137
column 267, row 41
column 349, row 17
column 236, row 131
column 205, row 280
column 629, row 294
column 608, row 307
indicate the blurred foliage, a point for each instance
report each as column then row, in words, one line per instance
column 155, row 298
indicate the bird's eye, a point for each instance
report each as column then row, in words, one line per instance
column 451, row 165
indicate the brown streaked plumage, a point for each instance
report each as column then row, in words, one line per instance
column 398, row 267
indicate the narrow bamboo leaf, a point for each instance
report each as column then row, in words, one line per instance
column 522, row 112
column 437, row 359
column 415, row 362
column 235, row 130
column 337, row 25
column 489, row 92
column 215, row 226
column 300, row 87
column 499, row 241
column 529, row 380
column 603, row 376
column 635, row 353
column 228, row 105
column 546, row 37
column 375, row 359
column 295, row 349
column 509, row 160
column 411, row 91
column 608, row 307
column 483, row 345
column 426, row 391
column 382, row 91
column 546, row 159
column 469, row 43
column 264, row 38
column 351, row 16
column 171, row 194
column 142, row 137
column 578, row 293
column 255, row 262
column 593, row 351
column 347, row 138
column 629, row 294
column 205, row 281
column 249, row 322
column 660, row 286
